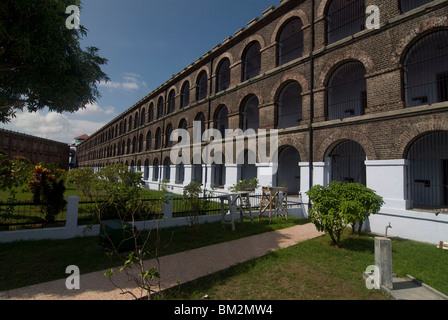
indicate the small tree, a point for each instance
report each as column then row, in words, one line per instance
column 338, row 205
column 48, row 190
column 84, row 178
column 124, row 201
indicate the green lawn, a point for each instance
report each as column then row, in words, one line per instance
column 313, row 269
column 31, row 262
column 316, row 270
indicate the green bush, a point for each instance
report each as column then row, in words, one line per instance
column 335, row 207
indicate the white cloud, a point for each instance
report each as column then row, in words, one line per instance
column 130, row 82
column 96, row 109
column 53, row 126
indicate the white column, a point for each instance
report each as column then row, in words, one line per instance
column 188, row 172
column 231, row 175
column 266, row 173
column 388, row 179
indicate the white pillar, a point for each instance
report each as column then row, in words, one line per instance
column 231, row 175
column 388, row 179
column 266, row 173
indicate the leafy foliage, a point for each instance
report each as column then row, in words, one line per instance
column 340, row 204
column 41, row 61
column 48, row 187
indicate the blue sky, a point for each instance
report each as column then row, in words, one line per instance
column 145, row 42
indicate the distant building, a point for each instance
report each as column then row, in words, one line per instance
column 73, row 146
column 34, row 148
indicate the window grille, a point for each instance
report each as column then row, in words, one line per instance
column 223, row 76
column 171, row 102
column 428, row 171
column 221, row 121
column 185, row 95
column 166, row 169
column 160, row 108
column 408, row 5
column 347, row 95
column 290, row 43
column 252, row 61
column 345, row 18
column 290, row 106
column 201, row 90
column 155, row 170
column 426, row 70
column 348, row 163
column 250, row 115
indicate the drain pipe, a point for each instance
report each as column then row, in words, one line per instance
column 311, row 133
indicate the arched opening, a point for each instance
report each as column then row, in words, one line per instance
column 251, row 61
column 426, row 70
column 221, row 120
column 290, row 42
column 428, row 171
column 347, row 91
column 185, row 95
column 348, row 163
column 201, row 86
column 247, row 162
column 288, row 172
column 408, row 5
column 223, row 76
column 289, row 106
column 155, row 170
column 250, row 114
column 345, row 18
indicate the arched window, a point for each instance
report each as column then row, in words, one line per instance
column 199, row 118
column 288, row 173
column 347, row 93
column 348, row 163
column 250, row 114
column 148, row 141
column 345, row 18
column 408, row 5
column 171, row 102
column 158, row 139
column 146, row 170
column 128, row 150
column 223, row 76
column 219, row 173
column 167, row 169
column 428, row 171
column 289, row 112
column 201, row 86
column 426, row 70
column 125, row 125
column 151, row 113
column 130, row 123
column 185, row 95
column 169, row 130
column 180, row 173
column 155, row 170
column 136, row 119
column 142, row 117
column 251, row 61
column 290, row 42
column 160, row 108
column 221, row 121
column 134, row 145
column 140, row 143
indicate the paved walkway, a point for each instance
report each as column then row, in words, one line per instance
column 183, row 267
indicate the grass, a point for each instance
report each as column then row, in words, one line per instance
column 31, row 262
column 316, row 270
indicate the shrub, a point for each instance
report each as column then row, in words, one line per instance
column 338, row 205
column 48, row 187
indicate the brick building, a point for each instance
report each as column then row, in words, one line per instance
column 34, row 148
column 350, row 103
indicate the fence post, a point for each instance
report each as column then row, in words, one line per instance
column 168, row 207
column 72, row 215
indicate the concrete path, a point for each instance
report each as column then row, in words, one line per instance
column 181, row 267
